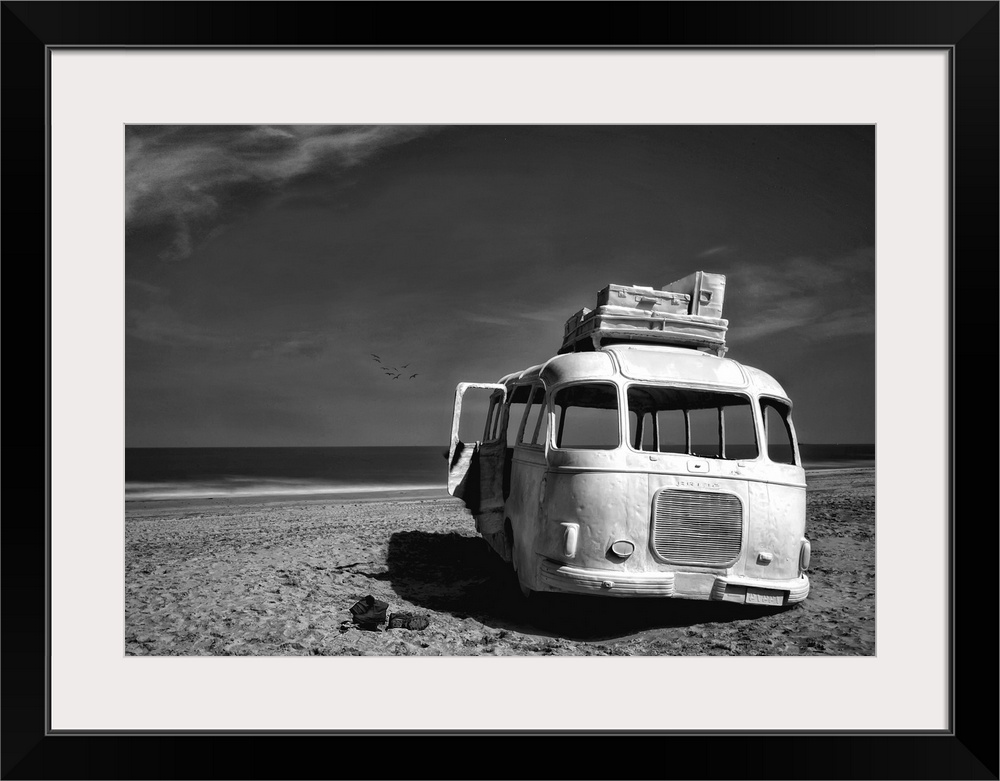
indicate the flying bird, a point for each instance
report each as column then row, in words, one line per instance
column 391, row 372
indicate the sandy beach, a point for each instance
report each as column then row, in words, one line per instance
column 277, row 576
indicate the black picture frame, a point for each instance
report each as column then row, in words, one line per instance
column 967, row 30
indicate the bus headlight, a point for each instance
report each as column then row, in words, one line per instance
column 804, row 553
column 622, row 548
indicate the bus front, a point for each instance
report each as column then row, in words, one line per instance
column 670, row 472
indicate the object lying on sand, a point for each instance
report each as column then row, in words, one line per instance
column 369, row 612
column 407, row 621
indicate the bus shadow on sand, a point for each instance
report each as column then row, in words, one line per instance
column 461, row 575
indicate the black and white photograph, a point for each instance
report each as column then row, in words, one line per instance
column 500, row 390
column 520, row 381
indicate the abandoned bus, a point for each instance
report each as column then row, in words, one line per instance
column 637, row 469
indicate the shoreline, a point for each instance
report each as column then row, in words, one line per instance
column 139, row 508
column 142, row 507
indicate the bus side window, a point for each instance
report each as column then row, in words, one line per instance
column 517, row 406
column 777, row 431
column 542, row 424
column 493, row 420
column 474, row 426
column 533, row 433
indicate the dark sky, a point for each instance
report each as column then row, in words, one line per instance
column 264, row 264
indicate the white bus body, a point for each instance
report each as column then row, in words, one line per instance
column 639, row 470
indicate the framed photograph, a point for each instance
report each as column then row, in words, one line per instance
column 281, row 249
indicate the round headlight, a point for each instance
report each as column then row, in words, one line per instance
column 623, row 548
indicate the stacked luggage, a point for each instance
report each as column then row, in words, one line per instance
column 685, row 313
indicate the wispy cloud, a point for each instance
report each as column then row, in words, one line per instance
column 713, row 251
column 770, row 320
column 542, row 316
column 190, row 179
column 302, row 344
column 488, row 319
column 155, row 292
column 844, row 322
column 514, row 316
column 818, row 298
column 160, row 324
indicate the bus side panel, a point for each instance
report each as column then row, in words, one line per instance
column 524, row 501
column 605, row 507
column 777, row 525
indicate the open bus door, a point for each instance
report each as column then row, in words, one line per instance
column 475, row 469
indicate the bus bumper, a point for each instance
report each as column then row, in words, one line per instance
column 555, row 576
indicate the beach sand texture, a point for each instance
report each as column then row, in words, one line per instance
column 278, row 578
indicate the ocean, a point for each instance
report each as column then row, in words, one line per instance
column 214, row 472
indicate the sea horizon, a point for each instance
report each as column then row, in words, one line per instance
column 207, row 472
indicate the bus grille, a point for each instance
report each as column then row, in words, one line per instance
column 696, row 527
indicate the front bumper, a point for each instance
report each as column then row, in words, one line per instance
column 563, row 577
column 555, row 576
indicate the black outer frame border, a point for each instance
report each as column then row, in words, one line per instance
column 969, row 750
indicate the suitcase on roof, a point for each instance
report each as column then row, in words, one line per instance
column 686, row 313
column 706, row 292
column 645, row 299
column 609, row 324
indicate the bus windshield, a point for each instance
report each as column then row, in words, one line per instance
column 710, row 424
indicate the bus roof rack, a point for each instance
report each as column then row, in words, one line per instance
column 685, row 313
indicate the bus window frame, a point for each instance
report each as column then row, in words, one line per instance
column 491, row 431
column 755, row 410
column 789, row 429
column 520, row 441
column 512, row 389
column 557, row 423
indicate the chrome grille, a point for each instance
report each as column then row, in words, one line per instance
column 697, row 527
